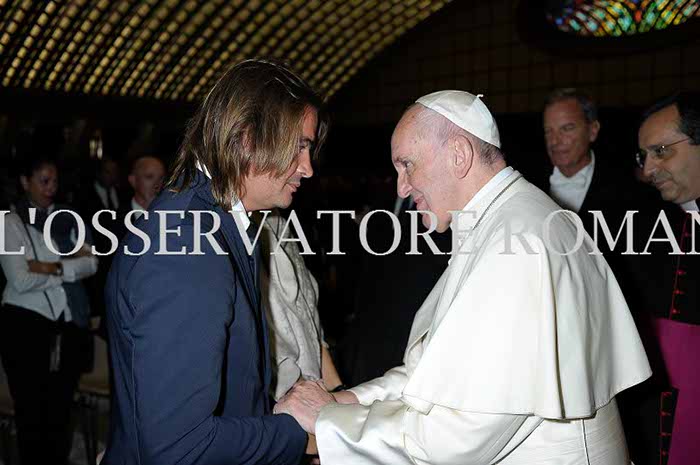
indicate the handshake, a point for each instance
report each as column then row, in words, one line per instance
column 305, row 400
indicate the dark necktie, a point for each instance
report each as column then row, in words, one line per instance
column 255, row 257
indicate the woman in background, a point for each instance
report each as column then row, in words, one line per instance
column 290, row 295
column 44, row 316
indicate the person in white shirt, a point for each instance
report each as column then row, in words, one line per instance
column 518, row 352
column 290, row 294
column 43, row 310
column 570, row 127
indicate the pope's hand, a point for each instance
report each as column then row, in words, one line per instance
column 304, row 402
column 345, row 397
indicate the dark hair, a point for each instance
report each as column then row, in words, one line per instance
column 33, row 163
column 489, row 153
column 251, row 119
column 590, row 110
column 688, row 106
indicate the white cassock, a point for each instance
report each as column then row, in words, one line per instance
column 514, row 358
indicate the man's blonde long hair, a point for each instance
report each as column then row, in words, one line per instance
column 251, row 121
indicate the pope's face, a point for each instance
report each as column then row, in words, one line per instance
column 422, row 171
column 674, row 170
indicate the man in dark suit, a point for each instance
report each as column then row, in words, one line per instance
column 583, row 182
column 187, row 333
column 102, row 193
column 667, row 413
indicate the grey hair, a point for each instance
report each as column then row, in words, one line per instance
column 441, row 130
column 590, row 110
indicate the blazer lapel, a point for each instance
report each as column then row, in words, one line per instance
column 240, row 256
column 232, row 237
column 245, row 269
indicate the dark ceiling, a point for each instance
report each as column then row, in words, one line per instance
column 174, row 50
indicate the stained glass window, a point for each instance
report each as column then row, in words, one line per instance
column 602, row 18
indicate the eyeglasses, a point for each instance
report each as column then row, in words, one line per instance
column 657, row 153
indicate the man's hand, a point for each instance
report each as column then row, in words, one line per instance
column 304, row 402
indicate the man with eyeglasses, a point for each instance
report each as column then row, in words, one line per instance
column 669, row 154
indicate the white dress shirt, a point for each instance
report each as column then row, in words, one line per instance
column 137, row 208
column 41, row 293
column 570, row 192
column 690, row 206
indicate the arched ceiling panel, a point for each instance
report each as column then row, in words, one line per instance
column 174, row 50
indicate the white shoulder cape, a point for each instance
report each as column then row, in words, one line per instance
column 531, row 332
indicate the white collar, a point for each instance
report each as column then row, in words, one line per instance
column 467, row 218
column 136, row 206
column 99, row 187
column 48, row 209
column 489, row 186
column 690, row 206
column 581, row 176
column 470, row 215
column 237, row 206
column 107, row 194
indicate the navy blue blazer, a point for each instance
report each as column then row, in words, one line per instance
column 189, row 348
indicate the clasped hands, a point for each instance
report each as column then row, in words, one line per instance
column 306, row 399
column 304, row 402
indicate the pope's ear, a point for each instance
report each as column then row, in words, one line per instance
column 462, row 155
